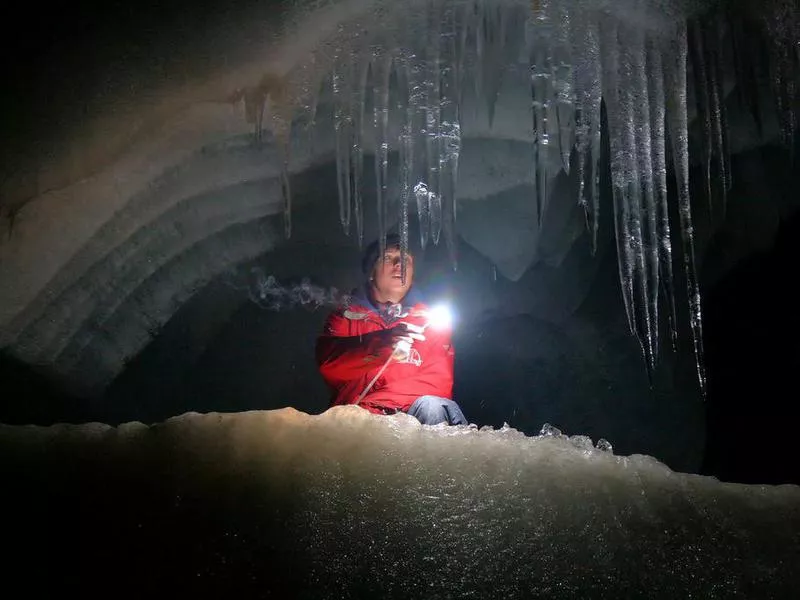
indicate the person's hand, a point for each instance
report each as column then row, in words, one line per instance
column 403, row 337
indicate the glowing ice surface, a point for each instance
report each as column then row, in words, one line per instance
column 349, row 504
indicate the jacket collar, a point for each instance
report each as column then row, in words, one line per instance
column 389, row 312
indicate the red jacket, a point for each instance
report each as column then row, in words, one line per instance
column 349, row 355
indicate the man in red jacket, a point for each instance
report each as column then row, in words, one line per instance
column 385, row 331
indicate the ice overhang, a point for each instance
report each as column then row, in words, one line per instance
column 158, row 195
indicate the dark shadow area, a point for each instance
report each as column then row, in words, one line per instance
column 31, row 396
column 752, row 327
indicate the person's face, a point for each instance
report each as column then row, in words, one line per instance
column 387, row 276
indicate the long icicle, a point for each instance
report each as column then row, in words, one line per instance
column 342, row 124
column 416, row 106
column 492, row 48
column 286, row 189
column 381, row 71
column 701, row 88
column 406, row 159
column 659, row 167
column 541, row 94
column 282, row 132
column 450, row 130
column 648, row 226
column 678, row 121
column 360, row 70
column 782, row 21
column 563, row 91
column 433, row 112
column 746, row 55
column 619, row 162
column 718, row 151
column 588, row 97
column 633, row 119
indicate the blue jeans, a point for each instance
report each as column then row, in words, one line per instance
column 431, row 410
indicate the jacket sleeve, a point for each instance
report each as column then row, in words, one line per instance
column 343, row 358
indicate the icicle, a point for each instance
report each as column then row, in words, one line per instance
column 480, row 50
column 254, row 102
column 342, row 124
column 433, row 119
column 423, row 196
column 381, row 70
column 497, row 39
column 563, row 90
column 417, row 114
column 360, row 70
column 647, row 213
column 449, row 131
column 659, row 167
column 465, row 19
column 619, row 163
column 677, row 121
column 701, row 88
column 587, row 74
column 541, row 93
column 284, row 140
column 783, row 28
column 719, row 133
column 406, row 161
column 746, row 55
column 435, row 204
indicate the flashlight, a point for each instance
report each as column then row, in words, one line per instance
column 440, row 317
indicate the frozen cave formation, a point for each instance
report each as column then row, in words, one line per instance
column 593, row 69
column 107, row 237
column 280, row 504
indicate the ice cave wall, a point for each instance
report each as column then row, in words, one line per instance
column 164, row 189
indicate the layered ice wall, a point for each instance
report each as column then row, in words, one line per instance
column 352, row 505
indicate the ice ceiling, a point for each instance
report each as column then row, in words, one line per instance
column 109, row 235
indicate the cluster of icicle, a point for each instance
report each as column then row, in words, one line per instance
column 581, row 57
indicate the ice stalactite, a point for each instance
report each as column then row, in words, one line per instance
column 381, row 72
column 747, row 59
column 674, row 63
column 490, row 38
column 541, row 77
column 701, row 90
column 782, row 23
column 611, row 81
column 563, row 83
column 655, row 93
column 633, row 90
column 360, row 70
column 719, row 126
column 587, row 72
column 286, row 189
column 449, row 127
column 647, row 231
column 433, row 115
column 706, row 58
column 343, row 132
column 281, row 125
column 422, row 196
column 406, row 156
column 416, row 116
column 583, row 64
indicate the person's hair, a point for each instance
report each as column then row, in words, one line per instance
column 372, row 253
